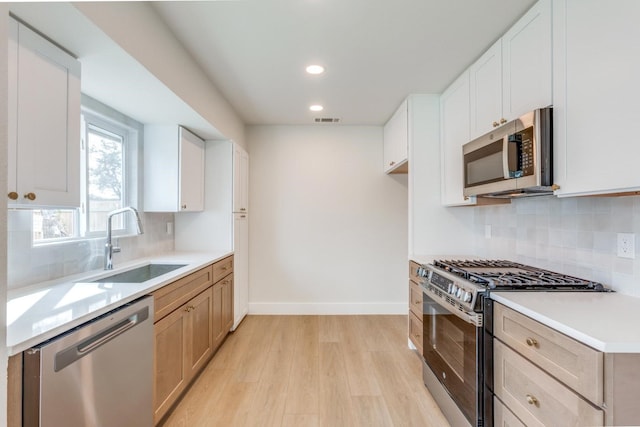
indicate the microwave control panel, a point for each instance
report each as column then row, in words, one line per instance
column 521, row 155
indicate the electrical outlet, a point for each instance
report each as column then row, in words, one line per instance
column 627, row 245
column 487, row 231
column 169, row 228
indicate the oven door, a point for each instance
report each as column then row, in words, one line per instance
column 452, row 347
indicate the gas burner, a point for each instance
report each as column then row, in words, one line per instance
column 508, row 275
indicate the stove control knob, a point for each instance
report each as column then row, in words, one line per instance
column 459, row 293
column 453, row 290
column 467, row 297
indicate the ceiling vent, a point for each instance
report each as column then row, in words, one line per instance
column 327, row 120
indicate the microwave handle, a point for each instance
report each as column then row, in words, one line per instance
column 505, row 157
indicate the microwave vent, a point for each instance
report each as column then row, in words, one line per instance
column 327, row 120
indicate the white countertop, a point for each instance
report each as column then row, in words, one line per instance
column 40, row 312
column 608, row 322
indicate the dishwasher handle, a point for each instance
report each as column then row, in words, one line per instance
column 69, row 355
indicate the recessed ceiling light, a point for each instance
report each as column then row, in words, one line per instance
column 315, row 69
column 316, row 108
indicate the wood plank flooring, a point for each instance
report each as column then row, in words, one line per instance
column 312, row 371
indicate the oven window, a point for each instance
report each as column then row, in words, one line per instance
column 451, row 352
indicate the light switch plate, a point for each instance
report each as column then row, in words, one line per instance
column 627, row 245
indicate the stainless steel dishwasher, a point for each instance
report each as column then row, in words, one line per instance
column 99, row 374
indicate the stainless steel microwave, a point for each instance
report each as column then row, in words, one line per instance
column 513, row 160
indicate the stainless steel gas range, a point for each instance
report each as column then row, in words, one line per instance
column 458, row 328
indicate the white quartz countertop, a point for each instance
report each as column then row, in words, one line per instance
column 40, row 312
column 605, row 321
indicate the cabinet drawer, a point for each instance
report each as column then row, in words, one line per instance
column 415, row 331
column 415, row 299
column 222, row 268
column 175, row 294
column 413, row 272
column 503, row 417
column 535, row 397
column 573, row 363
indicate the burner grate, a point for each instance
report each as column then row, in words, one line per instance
column 508, row 275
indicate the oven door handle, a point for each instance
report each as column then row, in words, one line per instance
column 473, row 318
column 505, row 158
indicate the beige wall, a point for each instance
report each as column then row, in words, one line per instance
column 328, row 229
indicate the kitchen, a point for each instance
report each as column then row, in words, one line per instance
column 573, row 235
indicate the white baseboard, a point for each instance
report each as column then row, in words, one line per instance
column 327, row 308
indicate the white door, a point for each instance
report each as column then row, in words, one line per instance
column 486, row 91
column 240, row 267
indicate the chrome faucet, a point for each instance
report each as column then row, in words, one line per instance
column 108, row 247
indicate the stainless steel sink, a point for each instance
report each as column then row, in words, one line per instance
column 140, row 274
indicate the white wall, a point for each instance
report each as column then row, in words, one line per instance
column 328, row 229
column 3, row 212
column 212, row 229
column 140, row 31
column 575, row 236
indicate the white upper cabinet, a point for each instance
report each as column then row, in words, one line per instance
column 454, row 133
column 173, row 170
column 486, row 91
column 515, row 75
column 240, row 179
column 396, row 141
column 526, row 63
column 44, row 121
column 596, row 92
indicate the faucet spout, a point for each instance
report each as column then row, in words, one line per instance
column 108, row 247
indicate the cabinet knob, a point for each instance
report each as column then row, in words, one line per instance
column 184, row 206
column 13, row 195
column 243, row 209
column 243, row 216
column 503, row 121
column 392, row 163
column 531, row 400
column 496, row 124
column 30, row 196
column 532, row 342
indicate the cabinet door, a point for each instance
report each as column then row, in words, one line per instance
column 395, row 141
column 44, row 126
column 191, row 172
column 227, row 304
column 526, row 63
column 454, row 133
column 596, row 89
column 536, row 398
column 217, row 322
column 171, row 367
column 240, row 179
column 486, row 92
column 200, row 338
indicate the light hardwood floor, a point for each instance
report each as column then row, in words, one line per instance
column 301, row 371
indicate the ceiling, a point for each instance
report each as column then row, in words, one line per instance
column 376, row 52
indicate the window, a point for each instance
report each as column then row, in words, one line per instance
column 109, row 180
column 105, row 156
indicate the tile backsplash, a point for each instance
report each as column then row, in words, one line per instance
column 575, row 236
column 29, row 264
